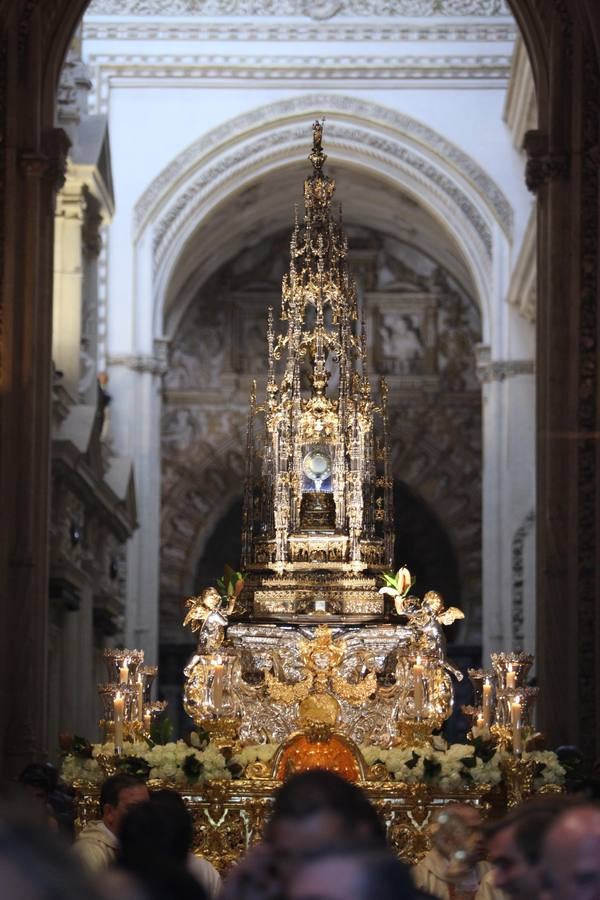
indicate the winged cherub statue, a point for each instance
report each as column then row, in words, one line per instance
column 429, row 617
column 209, row 616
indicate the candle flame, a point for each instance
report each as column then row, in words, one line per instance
column 418, row 660
column 517, row 699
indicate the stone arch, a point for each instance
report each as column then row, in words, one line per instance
column 402, row 150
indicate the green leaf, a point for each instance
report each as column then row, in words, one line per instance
column 161, row 730
column 413, row 761
column 431, row 769
column 483, row 749
column 469, row 762
column 192, row 767
column 236, row 770
column 134, row 765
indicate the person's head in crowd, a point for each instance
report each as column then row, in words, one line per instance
column 155, row 839
column 458, row 834
column 39, row 781
column 571, row 855
column 117, row 795
column 161, row 826
column 515, row 846
column 319, row 808
column 351, row 874
column 35, row 862
column 312, row 810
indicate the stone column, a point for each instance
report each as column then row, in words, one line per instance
column 135, row 423
column 508, row 561
column 25, row 465
column 563, row 170
column 68, row 280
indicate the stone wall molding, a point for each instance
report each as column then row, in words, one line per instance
column 140, row 362
column 500, row 370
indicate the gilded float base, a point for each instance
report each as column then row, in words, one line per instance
column 229, row 816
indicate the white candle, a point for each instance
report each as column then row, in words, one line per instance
column 487, row 703
column 140, row 698
column 217, row 669
column 419, row 687
column 124, row 672
column 511, row 677
column 147, row 722
column 515, row 720
column 118, row 707
column 480, row 721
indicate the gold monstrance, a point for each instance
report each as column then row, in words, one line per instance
column 318, row 524
column 309, row 643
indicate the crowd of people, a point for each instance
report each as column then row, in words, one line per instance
column 324, row 841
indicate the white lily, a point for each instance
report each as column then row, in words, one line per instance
column 397, row 585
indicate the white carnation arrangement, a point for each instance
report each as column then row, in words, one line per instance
column 254, row 753
column 456, row 767
column 175, row 762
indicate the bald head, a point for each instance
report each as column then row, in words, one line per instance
column 571, row 856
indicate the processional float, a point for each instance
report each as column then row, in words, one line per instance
column 318, row 654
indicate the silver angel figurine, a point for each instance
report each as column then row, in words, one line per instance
column 209, row 617
column 429, row 617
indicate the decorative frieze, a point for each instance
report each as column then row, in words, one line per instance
column 335, row 32
column 313, row 9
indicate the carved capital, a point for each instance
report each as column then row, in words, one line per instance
column 49, row 163
column 501, row 369
column 542, row 166
column 155, row 365
column 57, row 146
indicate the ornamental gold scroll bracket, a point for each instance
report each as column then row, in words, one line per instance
column 321, row 688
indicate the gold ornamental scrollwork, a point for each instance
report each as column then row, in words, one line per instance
column 288, row 692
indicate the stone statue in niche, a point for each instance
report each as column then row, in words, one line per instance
column 183, row 371
column 180, row 428
column 401, row 346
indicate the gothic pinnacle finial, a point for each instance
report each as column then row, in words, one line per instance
column 316, row 156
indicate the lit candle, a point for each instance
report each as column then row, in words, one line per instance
column 140, row 697
column 480, row 721
column 487, row 703
column 147, row 722
column 515, row 720
column 118, row 707
column 124, row 672
column 419, row 687
column 511, row 677
column 217, row 682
